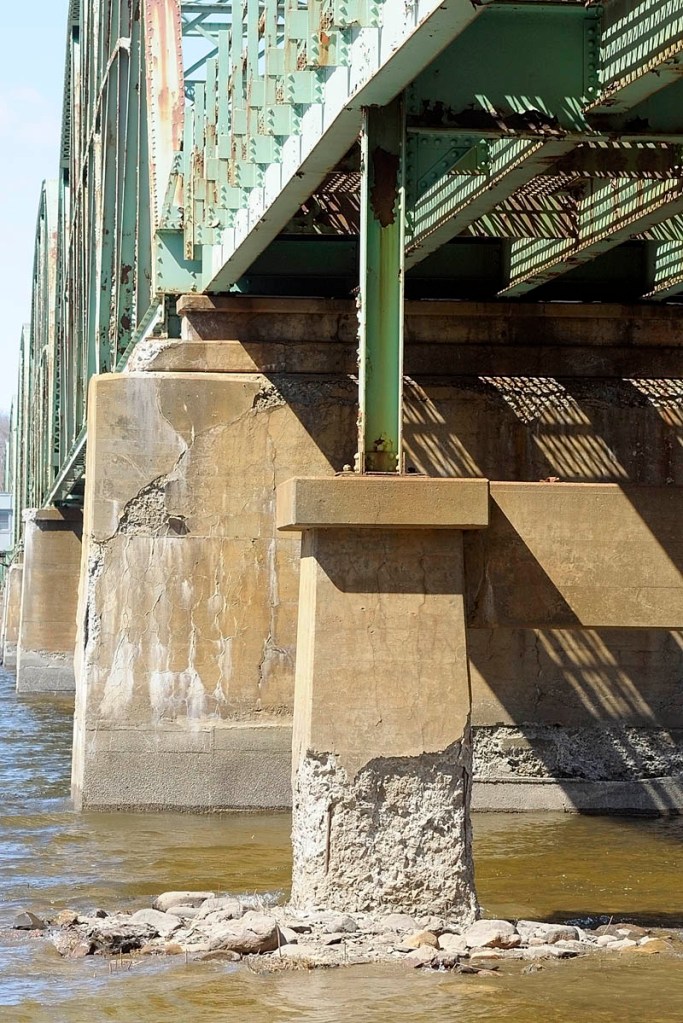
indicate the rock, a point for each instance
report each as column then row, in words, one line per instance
column 420, row 938
column 652, row 946
column 119, row 938
column 298, row 926
column 579, row 947
column 477, row 954
column 163, row 923
column 221, row 955
column 67, row 942
column 424, row 955
column 435, row 924
column 398, row 922
column 164, row 901
column 82, row 949
column 632, row 931
column 67, row 918
column 332, row 939
column 492, row 934
column 545, row 934
column 452, row 943
column 547, row 952
column 289, row 936
column 606, row 939
column 623, row 945
column 218, row 916
column 229, row 908
column 253, row 934
column 336, row 923
column 28, row 921
column 185, row 912
column 307, row 955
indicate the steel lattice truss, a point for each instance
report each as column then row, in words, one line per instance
column 208, row 145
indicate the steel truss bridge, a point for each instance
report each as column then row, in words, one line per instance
column 474, row 149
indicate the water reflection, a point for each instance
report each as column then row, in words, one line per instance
column 546, row 866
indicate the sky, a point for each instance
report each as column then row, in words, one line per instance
column 31, row 88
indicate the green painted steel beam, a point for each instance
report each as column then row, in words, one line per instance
column 390, row 45
column 609, row 214
column 641, row 53
column 382, row 247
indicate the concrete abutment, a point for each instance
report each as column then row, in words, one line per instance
column 49, row 591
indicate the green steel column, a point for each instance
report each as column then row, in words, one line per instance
column 381, row 289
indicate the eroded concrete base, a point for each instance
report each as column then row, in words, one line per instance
column 395, row 837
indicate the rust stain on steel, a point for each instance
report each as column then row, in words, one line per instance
column 126, row 271
column 165, row 89
column 384, row 191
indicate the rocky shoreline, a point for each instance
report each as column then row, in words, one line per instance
column 205, row 926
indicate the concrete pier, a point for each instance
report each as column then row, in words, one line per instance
column 47, row 630
column 11, row 615
column 382, row 744
column 188, row 603
column 188, row 607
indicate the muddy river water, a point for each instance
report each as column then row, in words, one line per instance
column 550, row 867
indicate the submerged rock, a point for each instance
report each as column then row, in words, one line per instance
column 28, row 921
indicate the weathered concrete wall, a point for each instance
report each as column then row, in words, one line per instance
column 47, row 631
column 188, row 601
column 11, row 615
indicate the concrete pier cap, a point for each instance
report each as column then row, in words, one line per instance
column 381, row 742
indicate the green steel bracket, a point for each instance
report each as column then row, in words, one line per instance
column 431, row 156
column 176, row 274
column 382, row 247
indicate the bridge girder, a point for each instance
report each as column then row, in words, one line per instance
column 195, row 135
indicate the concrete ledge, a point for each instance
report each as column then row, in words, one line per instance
column 382, row 502
column 42, row 672
column 647, row 797
column 66, row 517
column 9, row 658
column 240, row 767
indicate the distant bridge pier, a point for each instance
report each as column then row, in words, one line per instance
column 49, row 595
column 11, row 614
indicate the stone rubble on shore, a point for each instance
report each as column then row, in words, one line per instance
column 204, row 926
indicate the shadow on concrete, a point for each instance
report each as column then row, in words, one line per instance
column 596, row 709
